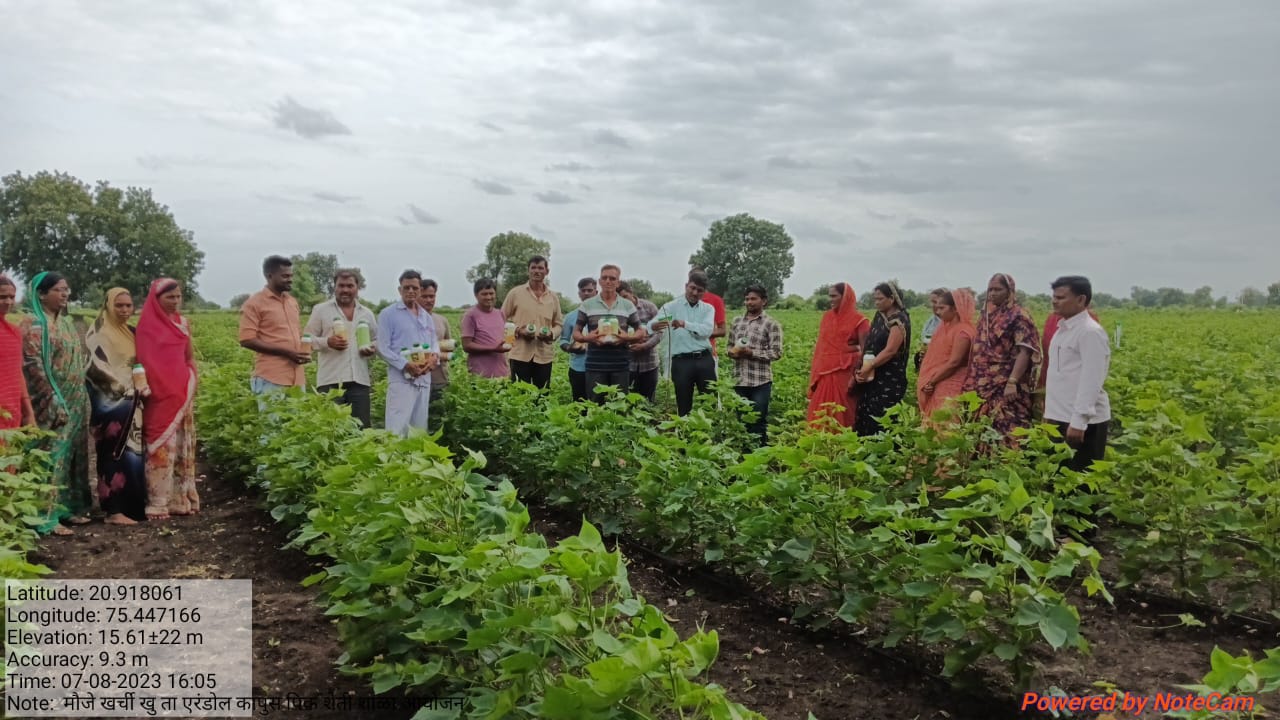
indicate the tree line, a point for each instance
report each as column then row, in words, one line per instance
column 101, row 236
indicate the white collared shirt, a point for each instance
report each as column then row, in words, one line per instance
column 340, row 366
column 1080, row 356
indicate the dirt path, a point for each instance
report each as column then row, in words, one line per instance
column 294, row 644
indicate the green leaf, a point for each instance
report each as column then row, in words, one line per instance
column 801, row 550
column 1059, row 626
column 607, row 642
column 644, row 655
column 560, row 704
column 920, row 589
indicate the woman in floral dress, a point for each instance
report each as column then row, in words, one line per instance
column 54, row 362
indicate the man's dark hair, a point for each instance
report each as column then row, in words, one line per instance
column 484, row 284
column 272, row 264
column 585, row 282
column 410, row 275
column 429, row 283
column 624, row 286
column 1077, row 284
column 6, row 282
column 699, row 278
column 757, row 289
column 538, row 259
column 351, row 273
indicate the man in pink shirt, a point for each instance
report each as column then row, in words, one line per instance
column 482, row 333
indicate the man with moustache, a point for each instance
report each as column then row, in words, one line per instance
column 535, row 305
column 755, row 343
column 341, row 365
column 403, row 325
column 1075, row 400
column 692, row 324
column 271, row 328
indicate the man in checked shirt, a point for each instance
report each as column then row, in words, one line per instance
column 755, row 343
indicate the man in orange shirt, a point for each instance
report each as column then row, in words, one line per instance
column 270, row 326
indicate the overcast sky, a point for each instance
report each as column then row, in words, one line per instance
column 935, row 141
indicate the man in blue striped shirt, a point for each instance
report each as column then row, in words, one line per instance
column 692, row 322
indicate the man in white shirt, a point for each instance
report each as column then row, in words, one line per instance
column 343, row 365
column 1079, row 359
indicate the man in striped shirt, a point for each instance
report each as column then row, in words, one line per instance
column 608, row 355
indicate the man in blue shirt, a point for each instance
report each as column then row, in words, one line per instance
column 692, row 322
column 577, row 351
column 402, row 326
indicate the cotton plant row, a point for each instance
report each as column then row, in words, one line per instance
column 920, row 535
column 437, row 585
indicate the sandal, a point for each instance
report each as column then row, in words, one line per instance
column 62, row 531
column 79, row 520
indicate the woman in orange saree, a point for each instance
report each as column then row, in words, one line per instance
column 840, row 338
column 946, row 363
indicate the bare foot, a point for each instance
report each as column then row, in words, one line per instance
column 79, row 520
column 120, row 519
column 60, row 530
column 154, row 518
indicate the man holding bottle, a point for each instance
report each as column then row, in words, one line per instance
column 344, row 334
column 404, row 330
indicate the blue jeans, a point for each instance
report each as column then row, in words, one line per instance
column 758, row 396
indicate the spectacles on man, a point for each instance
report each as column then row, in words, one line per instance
column 613, row 278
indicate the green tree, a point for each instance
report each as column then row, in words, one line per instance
column 740, row 250
column 790, row 302
column 820, row 298
column 322, row 266
column 1273, row 294
column 642, row 288
column 506, row 259
column 660, row 297
column 305, row 287
column 1253, row 297
column 1143, row 297
column 1202, row 297
column 98, row 237
column 1171, row 297
column 238, row 301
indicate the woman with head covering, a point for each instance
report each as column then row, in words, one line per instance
column 54, row 362
column 116, row 419
column 840, row 338
column 946, row 362
column 168, row 417
column 882, row 374
column 15, row 403
column 1006, row 350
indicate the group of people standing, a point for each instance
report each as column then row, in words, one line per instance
column 859, row 366
column 131, row 389
column 611, row 338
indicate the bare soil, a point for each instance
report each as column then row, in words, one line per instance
column 294, row 645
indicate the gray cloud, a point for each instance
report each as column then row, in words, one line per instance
column 335, row 197
column 493, row 187
column 572, row 166
column 490, row 126
column 553, row 197
column 916, row 223
column 786, row 162
column 310, row 123
column 418, row 216
column 880, row 215
column 886, row 184
column 609, row 137
column 703, row 218
column 541, row 232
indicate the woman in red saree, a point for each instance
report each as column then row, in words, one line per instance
column 946, row 362
column 168, row 417
column 840, row 339
column 15, row 403
column 1006, row 351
